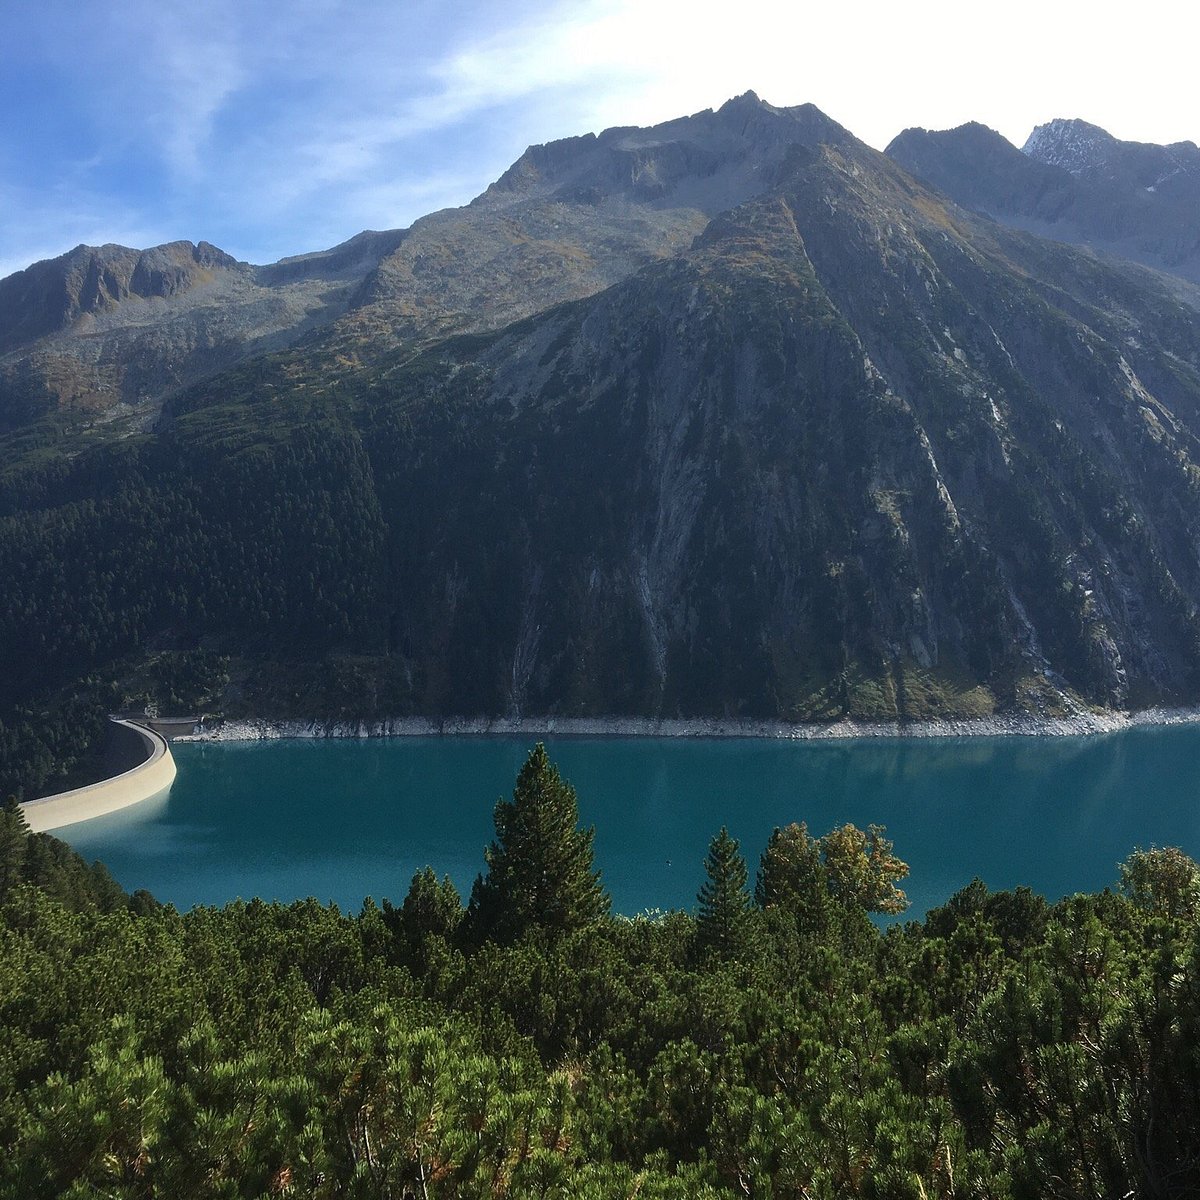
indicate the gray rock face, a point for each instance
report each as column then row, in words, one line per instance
column 1076, row 146
column 90, row 280
column 711, row 161
column 575, row 216
column 1089, row 152
column 1073, row 182
column 853, row 450
column 104, row 332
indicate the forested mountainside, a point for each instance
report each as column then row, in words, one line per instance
column 1074, row 182
column 810, row 441
column 531, row 1044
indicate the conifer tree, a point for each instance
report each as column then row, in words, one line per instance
column 430, row 907
column 792, row 879
column 790, row 868
column 14, row 842
column 723, row 920
column 539, row 868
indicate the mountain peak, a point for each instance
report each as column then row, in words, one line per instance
column 1073, row 144
column 50, row 295
column 1072, row 181
column 748, row 99
column 1086, row 150
column 709, row 161
column 972, row 134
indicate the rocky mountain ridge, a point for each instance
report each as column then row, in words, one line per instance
column 104, row 333
column 108, row 332
column 1087, row 150
column 565, row 221
column 91, row 280
column 842, row 447
column 573, row 217
column 1073, row 182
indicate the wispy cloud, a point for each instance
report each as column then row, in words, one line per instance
column 197, row 60
column 33, row 227
column 273, row 129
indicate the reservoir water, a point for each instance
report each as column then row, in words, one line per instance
column 344, row 819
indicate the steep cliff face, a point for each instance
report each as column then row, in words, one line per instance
column 94, row 280
column 845, row 448
column 853, row 449
column 1074, row 182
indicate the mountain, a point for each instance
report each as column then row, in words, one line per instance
column 571, row 218
column 796, row 436
column 1089, row 152
column 1073, row 182
column 852, row 449
column 108, row 332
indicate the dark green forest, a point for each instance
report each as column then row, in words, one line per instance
column 775, row 1042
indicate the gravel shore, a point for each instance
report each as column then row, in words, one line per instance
column 1002, row 725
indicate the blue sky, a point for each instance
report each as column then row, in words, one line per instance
column 271, row 129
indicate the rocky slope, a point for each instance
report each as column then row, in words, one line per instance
column 850, row 449
column 1073, row 182
column 104, row 332
column 107, row 331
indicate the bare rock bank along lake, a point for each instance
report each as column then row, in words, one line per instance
column 344, row 819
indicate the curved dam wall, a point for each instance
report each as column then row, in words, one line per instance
column 151, row 777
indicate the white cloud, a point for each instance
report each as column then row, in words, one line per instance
column 875, row 66
column 271, row 129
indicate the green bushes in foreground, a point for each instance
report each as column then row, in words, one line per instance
column 777, row 1046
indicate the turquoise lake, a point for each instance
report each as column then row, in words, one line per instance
column 344, row 819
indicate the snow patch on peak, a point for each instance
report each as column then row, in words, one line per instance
column 1074, row 145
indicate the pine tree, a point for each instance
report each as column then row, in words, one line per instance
column 792, row 879
column 539, row 868
column 790, row 868
column 430, row 907
column 722, row 924
column 14, row 844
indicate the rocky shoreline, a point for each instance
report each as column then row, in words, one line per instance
column 1001, row 725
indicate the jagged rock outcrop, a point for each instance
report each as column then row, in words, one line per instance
column 50, row 296
column 1073, row 182
column 108, row 332
column 1089, row 152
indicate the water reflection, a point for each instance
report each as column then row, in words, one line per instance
column 343, row 819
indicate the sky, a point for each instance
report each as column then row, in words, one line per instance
column 272, row 129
